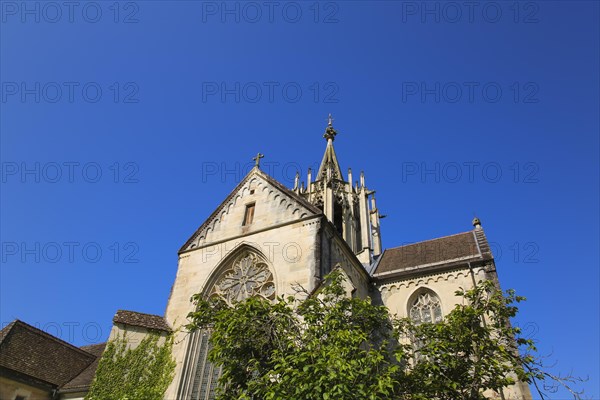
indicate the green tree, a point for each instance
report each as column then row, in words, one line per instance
column 140, row 373
column 333, row 346
column 474, row 353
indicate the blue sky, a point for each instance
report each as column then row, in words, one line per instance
column 123, row 125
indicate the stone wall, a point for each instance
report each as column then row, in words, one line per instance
column 9, row 389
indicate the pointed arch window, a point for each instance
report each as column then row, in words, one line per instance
column 246, row 275
column 426, row 308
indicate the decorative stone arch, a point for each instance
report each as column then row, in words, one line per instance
column 424, row 305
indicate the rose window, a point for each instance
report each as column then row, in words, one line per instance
column 247, row 277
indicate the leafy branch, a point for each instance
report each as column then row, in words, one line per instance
column 329, row 345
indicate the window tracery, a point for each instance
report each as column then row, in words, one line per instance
column 248, row 276
column 426, row 308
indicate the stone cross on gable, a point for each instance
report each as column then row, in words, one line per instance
column 257, row 159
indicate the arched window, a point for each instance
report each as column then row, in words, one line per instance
column 426, row 307
column 243, row 276
column 206, row 377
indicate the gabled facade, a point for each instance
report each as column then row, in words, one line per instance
column 263, row 240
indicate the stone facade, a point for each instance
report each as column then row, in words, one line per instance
column 11, row 389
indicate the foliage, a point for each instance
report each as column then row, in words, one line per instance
column 329, row 347
column 140, row 373
column 474, row 350
column 333, row 346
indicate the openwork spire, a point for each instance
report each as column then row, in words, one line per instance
column 345, row 206
column 329, row 161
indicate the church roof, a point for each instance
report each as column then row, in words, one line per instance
column 30, row 354
column 255, row 171
column 148, row 321
column 444, row 251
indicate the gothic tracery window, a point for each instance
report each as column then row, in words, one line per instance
column 248, row 276
column 426, row 307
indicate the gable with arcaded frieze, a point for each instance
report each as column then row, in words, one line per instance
column 396, row 294
column 271, row 204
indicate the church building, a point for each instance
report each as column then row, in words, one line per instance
column 264, row 239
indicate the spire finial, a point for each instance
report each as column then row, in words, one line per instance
column 257, row 159
column 329, row 131
column 297, row 180
column 476, row 223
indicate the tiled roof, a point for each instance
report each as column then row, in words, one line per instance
column 447, row 250
column 33, row 353
column 83, row 381
column 5, row 330
column 148, row 321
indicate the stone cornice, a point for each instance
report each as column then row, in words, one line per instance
column 436, row 274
